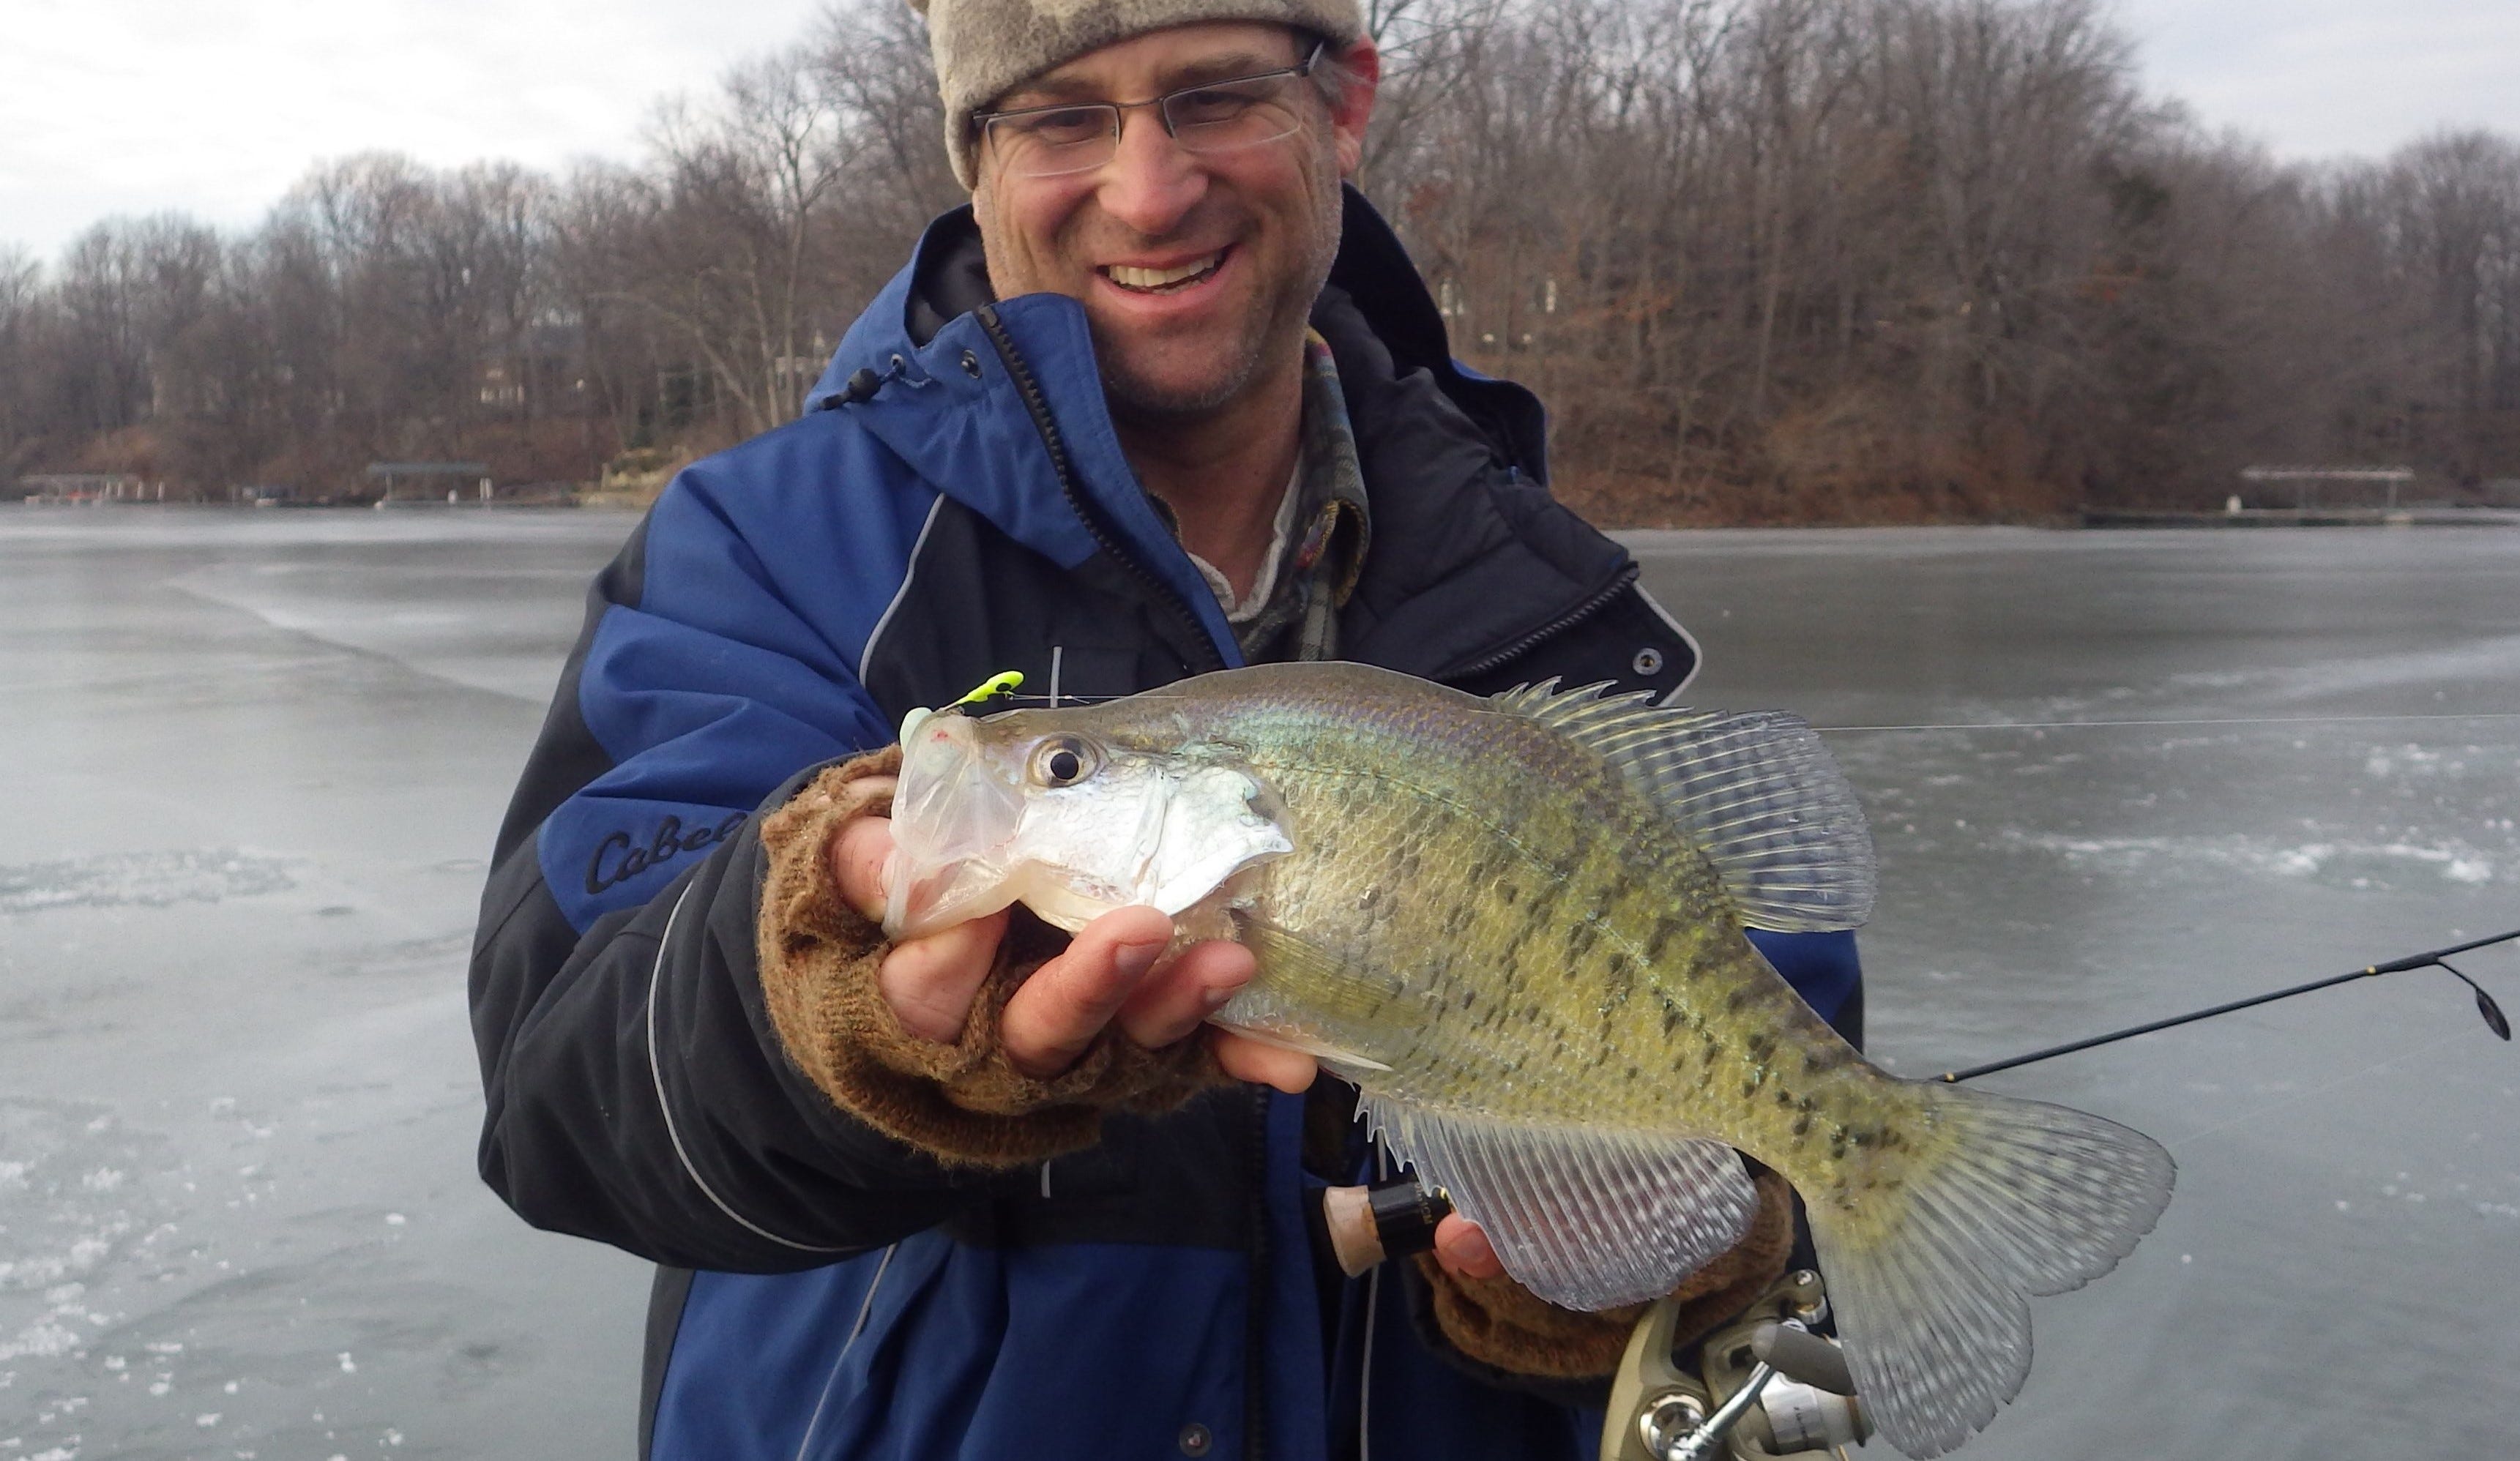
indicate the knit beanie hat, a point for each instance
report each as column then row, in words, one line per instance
column 985, row 47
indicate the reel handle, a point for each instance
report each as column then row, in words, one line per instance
column 1797, row 1353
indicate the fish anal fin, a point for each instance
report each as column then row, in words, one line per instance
column 1583, row 1217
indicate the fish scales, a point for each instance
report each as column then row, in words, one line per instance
column 1518, row 925
column 1419, row 806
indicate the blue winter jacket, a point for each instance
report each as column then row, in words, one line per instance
column 964, row 508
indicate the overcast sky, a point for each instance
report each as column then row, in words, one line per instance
column 216, row 107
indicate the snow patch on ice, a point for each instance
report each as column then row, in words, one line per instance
column 45, row 1339
column 151, row 880
column 2353, row 862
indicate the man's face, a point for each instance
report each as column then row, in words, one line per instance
column 1257, row 228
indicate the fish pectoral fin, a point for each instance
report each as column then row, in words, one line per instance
column 1295, row 972
column 1585, row 1219
column 1308, row 976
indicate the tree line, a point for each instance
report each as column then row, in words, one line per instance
column 1768, row 261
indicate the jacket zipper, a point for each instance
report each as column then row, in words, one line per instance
column 1255, row 1311
column 1106, row 536
column 1556, row 627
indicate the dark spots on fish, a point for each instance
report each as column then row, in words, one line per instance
column 1632, row 1073
column 1372, row 900
column 1509, row 892
column 1671, row 1012
column 1458, row 919
column 1469, row 997
column 1824, row 1057
column 1579, row 940
column 1623, row 974
column 1802, row 1124
column 1784, row 1098
column 1665, row 929
column 1739, row 998
column 1761, row 1045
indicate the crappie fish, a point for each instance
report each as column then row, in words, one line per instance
column 1516, row 925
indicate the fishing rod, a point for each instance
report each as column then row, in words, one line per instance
column 2433, row 958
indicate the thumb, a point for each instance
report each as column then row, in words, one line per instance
column 860, row 855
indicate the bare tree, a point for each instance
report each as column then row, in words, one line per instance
column 1768, row 260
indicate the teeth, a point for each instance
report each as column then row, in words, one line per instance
column 1130, row 278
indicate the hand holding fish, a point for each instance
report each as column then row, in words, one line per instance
column 1110, row 974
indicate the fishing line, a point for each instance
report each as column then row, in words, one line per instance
column 1051, row 701
column 1058, row 697
column 2281, row 720
column 2298, row 1097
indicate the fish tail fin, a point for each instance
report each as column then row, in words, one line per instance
column 1934, row 1245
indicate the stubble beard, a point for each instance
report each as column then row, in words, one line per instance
column 1274, row 333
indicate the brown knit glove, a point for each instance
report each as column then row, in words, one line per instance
column 1499, row 1322
column 964, row 1103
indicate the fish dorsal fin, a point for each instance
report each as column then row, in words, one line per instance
column 1584, row 1217
column 1757, row 793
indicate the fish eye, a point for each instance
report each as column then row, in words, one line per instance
column 1064, row 761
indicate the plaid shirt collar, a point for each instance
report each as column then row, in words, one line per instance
column 1322, row 551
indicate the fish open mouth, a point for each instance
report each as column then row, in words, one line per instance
column 952, row 817
column 1172, row 280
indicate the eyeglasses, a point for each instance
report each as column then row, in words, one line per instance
column 1213, row 117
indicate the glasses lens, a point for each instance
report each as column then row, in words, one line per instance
column 1235, row 113
column 1049, row 143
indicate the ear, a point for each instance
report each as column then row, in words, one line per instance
column 1364, row 66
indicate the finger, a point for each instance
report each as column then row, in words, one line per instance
column 1173, row 999
column 1049, row 1021
column 931, row 981
column 859, row 856
column 1246, row 1059
column 1464, row 1250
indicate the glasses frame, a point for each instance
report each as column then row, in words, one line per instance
column 1163, row 109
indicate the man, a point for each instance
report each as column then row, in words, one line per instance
column 1166, row 398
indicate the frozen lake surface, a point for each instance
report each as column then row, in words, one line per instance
column 255, row 762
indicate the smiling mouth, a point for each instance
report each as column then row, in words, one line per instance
column 1164, row 281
